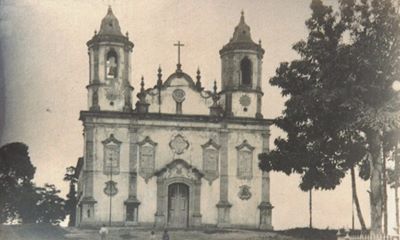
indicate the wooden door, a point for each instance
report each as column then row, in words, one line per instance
column 178, row 205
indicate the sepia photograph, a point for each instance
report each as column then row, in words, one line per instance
column 184, row 119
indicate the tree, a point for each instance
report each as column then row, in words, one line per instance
column 70, row 204
column 338, row 94
column 40, row 204
column 50, row 206
column 16, row 173
column 20, row 199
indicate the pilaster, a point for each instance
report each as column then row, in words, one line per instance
column 196, row 219
column 160, row 220
column 88, row 200
column 223, row 205
column 132, row 201
column 265, row 205
column 228, row 104
column 259, row 103
column 127, row 86
column 94, row 80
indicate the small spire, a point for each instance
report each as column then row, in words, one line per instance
column 109, row 10
column 142, row 85
column 95, row 32
column 127, row 34
column 198, row 77
column 259, row 42
column 242, row 16
column 159, row 81
column 215, row 87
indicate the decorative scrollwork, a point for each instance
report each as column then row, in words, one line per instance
column 111, row 188
column 179, row 144
column 244, row 192
column 178, row 95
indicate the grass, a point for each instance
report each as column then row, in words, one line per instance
column 32, row 232
column 310, row 234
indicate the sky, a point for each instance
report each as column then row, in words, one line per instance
column 45, row 68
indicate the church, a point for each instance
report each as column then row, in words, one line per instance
column 176, row 155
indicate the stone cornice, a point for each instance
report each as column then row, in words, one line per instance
column 241, row 89
column 173, row 117
column 109, row 38
column 232, row 46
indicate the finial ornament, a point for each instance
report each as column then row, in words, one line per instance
column 95, row 32
column 159, row 81
column 109, row 9
column 198, row 77
column 127, row 34
column 142, row 84
column 259, row 42
column 215, row 109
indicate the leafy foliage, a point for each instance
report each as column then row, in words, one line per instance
column 20, row 199
column 16, row 171
column 341, row 107
column 72, row 198
column 50, row 206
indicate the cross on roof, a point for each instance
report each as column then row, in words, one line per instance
column 179, row 45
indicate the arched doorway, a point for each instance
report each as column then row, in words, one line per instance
column 178, row 183
column 178, row 205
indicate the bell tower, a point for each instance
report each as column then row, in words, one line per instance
column 109, row 52
column 241, row 61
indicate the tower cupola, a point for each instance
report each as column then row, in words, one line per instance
column 242, row 39
column 110, row 24
column 241, row 63
column 109, row 57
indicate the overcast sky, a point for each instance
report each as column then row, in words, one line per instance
column 45, row 66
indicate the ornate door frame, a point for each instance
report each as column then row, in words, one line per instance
column 178, row 171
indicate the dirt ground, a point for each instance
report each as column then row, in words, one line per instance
column 139, row 234
column 47, row 232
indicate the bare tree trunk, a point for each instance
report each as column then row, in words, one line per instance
column 396, row 187
column 384, row 195
column 396, row 200
column 310, row 208
column 356, row 202
column 375, row 193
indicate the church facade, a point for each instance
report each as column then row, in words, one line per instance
column 178, row 155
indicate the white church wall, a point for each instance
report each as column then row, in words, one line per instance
column 244, row 212
column 162, row 133
column 122, row 178
column 102, row 207
column 238, row 109
column 147, row 195
column 209, row 200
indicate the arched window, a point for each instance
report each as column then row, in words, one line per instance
column 112, row 64
column 246, row 72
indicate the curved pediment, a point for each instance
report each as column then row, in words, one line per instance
column 177, row 95
column 181, row 169
column 179, row 79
